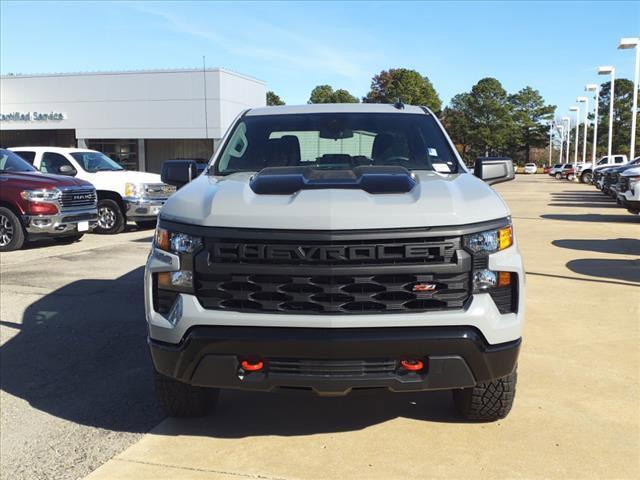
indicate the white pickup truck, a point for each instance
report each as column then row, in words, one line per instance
column 585, row 170
column 123, row 195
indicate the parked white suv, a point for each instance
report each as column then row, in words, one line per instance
column 530, row 168
column 123, row 195
column 333, row 248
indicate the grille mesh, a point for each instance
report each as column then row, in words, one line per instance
column 332, row 368
column 77, row 197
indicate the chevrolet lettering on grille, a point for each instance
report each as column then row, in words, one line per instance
column 321, row 253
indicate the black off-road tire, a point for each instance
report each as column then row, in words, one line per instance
column 178, row 399
column 487, row 401
column 68, row 239
column 110, row 217
column 12, row 230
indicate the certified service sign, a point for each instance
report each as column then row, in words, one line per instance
column 31, row 116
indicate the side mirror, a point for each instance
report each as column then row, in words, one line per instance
column 67, row 170
column 178, row 172
column 494, row 169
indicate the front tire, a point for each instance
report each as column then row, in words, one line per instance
column 110, row 217
column 487, row 401
column 558, row 176
column 586, row 177
column 178, row 399
column 12, row 234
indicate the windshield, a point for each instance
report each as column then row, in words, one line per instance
column 11, row 162
column 95, row 161
column 337, row 141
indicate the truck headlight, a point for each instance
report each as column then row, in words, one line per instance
column 633, row 182
column 489, row 241
column 183, row 245
column 43, row 195
column 134, row 190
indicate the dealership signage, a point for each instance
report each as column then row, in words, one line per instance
column 31, row 116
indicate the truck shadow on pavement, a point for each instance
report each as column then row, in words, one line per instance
column 626, row 270
column 625, row 246
column 593, row 217
column 80, row 354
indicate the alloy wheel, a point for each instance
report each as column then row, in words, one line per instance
column 106, row 218
column 6, row 231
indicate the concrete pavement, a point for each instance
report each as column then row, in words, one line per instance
column 577, row 405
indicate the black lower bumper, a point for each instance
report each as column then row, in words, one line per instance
column 335, row 361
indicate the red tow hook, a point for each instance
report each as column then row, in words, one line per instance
column 252, row 365
column 412, row 365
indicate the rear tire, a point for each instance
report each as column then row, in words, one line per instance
column 68, row 239
column 110, row 217
column 12, row 235
column 178, row 399
column 487, row 401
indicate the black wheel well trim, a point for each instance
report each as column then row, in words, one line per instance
column 111, row 195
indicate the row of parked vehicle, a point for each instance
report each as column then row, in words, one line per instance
column 616, row 177
column 63, row 193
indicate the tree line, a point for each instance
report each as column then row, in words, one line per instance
column 488, row 120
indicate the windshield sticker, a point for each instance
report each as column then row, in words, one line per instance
column 441, row 168
column 433, row 152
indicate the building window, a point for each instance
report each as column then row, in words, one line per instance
column 125, row 152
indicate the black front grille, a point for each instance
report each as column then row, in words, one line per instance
column 624, row 184
column 506, row 298
column 332, row 368
column 78, row 197
column 342, row 277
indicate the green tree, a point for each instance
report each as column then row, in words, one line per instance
column 491, row 120
column 408, row 85
column 531, row 118
column 273, row 99
column 326, row 94
column 457, row 121
column 621, row 117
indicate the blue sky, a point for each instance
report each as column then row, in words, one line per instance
column 552, row 46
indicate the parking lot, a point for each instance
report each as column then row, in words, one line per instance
column 77, row 391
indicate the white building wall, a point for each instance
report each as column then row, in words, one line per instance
column 143, row 105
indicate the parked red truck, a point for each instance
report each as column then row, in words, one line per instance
column 34, row 205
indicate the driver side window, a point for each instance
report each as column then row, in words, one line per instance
column 52, row 162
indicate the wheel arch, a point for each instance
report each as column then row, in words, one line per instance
column 111, row 195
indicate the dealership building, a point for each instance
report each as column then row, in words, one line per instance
column 138, row 118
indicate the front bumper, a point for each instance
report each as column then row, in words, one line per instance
column 139, row 210
column 334, row 361
column 63, row 223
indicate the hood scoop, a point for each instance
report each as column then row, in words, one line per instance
column 371, row 179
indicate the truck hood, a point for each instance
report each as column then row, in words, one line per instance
column 631, row 172
column 37, row 180
column 436, row 200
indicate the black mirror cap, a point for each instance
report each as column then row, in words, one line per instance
column 494, row 169
column 178, row 172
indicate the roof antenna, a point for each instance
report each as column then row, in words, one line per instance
column 399, row 105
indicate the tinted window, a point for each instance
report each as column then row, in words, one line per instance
column 28, row 156
column 337, row 141
column 51, row 162
column 618, row 159
column 10, row 162
column 95, row 161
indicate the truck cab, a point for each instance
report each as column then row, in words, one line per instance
column 335, row 248
column 123, row 195
column 35, row 206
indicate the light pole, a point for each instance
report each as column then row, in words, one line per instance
column 561, row 130
column 584, row 100
column 568, row 137
column 592, row 87
column 609, row 70
column 575, row 153
column 551, row 125
column 626, row 43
